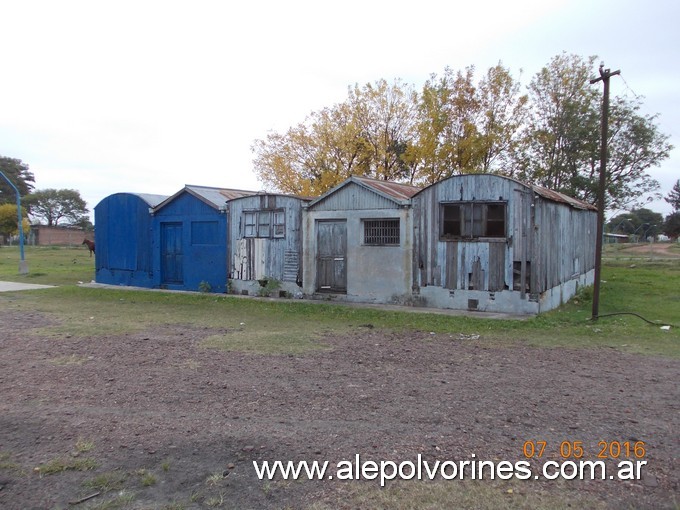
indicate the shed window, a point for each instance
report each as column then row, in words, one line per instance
column 279, row 224
column 249, row 225
column 384, row 232
column 473, row 220
column 264, row 224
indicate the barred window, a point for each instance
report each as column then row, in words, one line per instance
column 384, row 232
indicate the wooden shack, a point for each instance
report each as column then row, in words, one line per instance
column 124, row 239
column 358, row 242
column 265, row 244
column 491, row 243
column 190, row 236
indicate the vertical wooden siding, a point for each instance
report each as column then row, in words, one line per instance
column 252, row 258
column 546, row 243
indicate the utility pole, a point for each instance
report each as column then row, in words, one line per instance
column 23, row 266
column 605, row 74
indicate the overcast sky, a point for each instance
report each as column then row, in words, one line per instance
column 147, row 96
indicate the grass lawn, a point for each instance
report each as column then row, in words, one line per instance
column 650, row 289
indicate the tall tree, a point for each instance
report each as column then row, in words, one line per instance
column 562, row 125
column 635, row 144
column 637, row 221
column 385, row 116
column 368, row 134
column 448, row 140
column 57, row 205
column 673, row 197
column 9, row 225
column 20, row 175
column 503, row 112
column 313, row 156
column 671, row 226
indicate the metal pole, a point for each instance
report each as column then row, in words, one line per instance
column 605, row 74
column 23, row 266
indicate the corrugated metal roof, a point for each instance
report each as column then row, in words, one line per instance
column 152, row 200
column 217, row 196
column 556, row 196
column 395, row 190
column 214, row 197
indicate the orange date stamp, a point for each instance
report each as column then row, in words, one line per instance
column 576, row 450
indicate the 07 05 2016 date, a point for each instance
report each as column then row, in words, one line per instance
column 536, row 449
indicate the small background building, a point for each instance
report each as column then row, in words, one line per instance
column 124, row 239
column 190, row 233
column 265, row 243
column 491, row 243
column 42, row 235
column 357, row 242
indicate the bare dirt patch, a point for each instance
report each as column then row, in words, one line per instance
column 660, row 250
column 169, row 422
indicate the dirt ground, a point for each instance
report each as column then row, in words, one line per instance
column 661, row 250
column 165, row 419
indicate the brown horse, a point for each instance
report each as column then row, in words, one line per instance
column 90, row 245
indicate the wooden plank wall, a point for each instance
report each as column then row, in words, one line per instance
column 547, row 242
column 253, row 258
column 460, row 264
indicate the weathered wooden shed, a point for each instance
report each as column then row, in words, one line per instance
column 491, row 243
column 265, row 243
column 124, row 239
column 357, row 242
column 190, row 233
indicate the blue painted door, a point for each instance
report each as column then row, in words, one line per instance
column 171, row 254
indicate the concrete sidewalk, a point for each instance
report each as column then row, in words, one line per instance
column 14, row 286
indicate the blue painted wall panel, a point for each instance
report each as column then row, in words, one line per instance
column 124, row 241
column 198, row 250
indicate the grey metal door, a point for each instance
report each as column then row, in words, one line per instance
column 331, row 257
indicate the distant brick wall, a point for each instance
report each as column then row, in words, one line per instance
column 43, row 236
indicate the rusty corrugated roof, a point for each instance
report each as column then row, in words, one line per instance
column 215, row 197
column 556, row 196
column 396, row 190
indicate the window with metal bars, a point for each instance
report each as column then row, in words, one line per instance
column 382, row 232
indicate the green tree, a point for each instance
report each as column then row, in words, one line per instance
column 671, row 226
column 640, row 222
column 562, row 127
column 673, row 197
column 53, row 206
column 20, row 175
column 8, row 221
column 561, row 147
column 385, row 116
column 448, row 141
column 503, row 112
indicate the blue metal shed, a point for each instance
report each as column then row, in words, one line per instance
column 190, row 232
column 123, row 238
